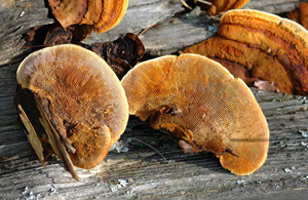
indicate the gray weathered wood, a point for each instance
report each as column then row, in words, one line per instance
column 140, row 15
column 15, row 22
column 186, row 30
column 140, row 173
column 178, row 32
column 274, row 6
column 144, row 175
column 181, row 31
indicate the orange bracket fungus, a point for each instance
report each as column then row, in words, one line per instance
column 101, row 14
column 201, row 103
column 215, row 7
column 260, row 45
column 300, row 15
column 70, row 103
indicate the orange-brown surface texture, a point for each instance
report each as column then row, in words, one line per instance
column 200, row 102
column 300, row 15
column 112, row 14
column 269, row 47
column 303, row 8
column 220, row 6
column 81, row 96
column 102, row 15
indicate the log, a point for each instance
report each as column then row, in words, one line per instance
column 140, row 173
column 274, row 6
column 15, row 21
column 140, row 15
column 177, row 32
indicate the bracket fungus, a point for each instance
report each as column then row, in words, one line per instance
column 263, row 46
column 215, row 7
column 300, row 15
column 201, row 103
column 72, row 104
column 101, row 14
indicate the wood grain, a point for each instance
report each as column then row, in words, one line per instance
column 141, row 173
column 15, row 22
column 144, row 174
column 172, row 32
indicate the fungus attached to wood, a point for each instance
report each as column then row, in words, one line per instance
column 201, row 103
column 215, row 7
column 73, row 96
column 220, row 6
column 101, row 14
column 268, row 47
column 300, row 15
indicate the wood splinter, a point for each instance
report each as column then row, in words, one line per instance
column 195, row 2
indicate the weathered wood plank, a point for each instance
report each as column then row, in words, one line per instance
column 140, row 15
column 141, row 174
column 16, row 21
column 274, row 6
column 185, row 30
column 177, row 32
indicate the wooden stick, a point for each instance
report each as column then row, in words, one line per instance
column 186, row 5
column 205, row 2
column 150, row 146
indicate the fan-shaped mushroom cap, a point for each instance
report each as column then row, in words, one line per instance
column 253, row 61
column 112, row 14
column 101, row 14
column 273, row 48
column 200, row 102
column 81, row 97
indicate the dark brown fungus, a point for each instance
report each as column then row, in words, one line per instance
column 121, row 54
